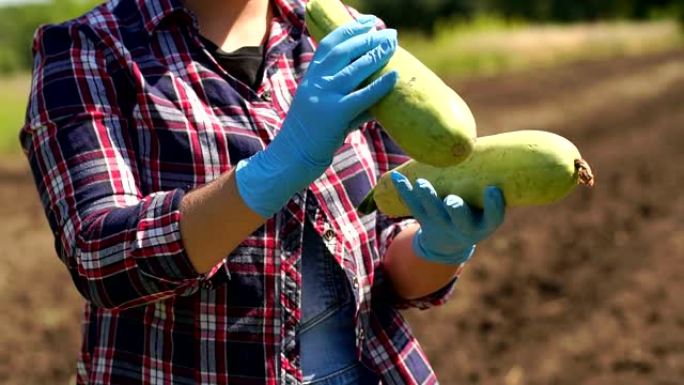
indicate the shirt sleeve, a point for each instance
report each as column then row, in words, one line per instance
column 387, row 156
column 122, row 248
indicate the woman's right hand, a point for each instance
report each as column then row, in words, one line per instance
column 328, row 104
column 329, row 101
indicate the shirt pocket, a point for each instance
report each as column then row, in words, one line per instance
column 354, row 164
column 184, row 142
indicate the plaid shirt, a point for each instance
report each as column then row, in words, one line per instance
column 128, row 112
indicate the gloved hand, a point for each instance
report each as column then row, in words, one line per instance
column 324, row 110
column 449, row 228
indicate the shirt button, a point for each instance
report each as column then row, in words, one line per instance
column 329, row 235
column 266, row 96
column 355, row 282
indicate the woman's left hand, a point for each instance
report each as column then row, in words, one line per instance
column 449, row 228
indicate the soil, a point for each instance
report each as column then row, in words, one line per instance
column 580, row 292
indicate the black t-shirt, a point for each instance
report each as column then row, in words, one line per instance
column 245, row 64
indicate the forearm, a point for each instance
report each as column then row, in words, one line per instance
column 410, row 275
column 214, row 221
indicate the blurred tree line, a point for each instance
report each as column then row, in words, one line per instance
column 422, row 14
column 18, row 22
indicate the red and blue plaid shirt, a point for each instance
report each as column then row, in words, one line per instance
column 128, row 111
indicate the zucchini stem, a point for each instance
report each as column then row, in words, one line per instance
column 586, row 176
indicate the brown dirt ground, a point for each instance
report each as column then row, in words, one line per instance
column 580, row 292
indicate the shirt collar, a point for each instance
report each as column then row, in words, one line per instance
column 154, row 12
column 292, row 11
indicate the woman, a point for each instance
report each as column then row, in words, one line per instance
column 206, row 213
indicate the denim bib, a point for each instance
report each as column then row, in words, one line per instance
column 327, row 338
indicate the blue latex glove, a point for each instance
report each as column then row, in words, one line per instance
column 327, row 106
column 449, row 228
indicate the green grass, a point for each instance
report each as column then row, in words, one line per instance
column 489, row 45
column 13, row 99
